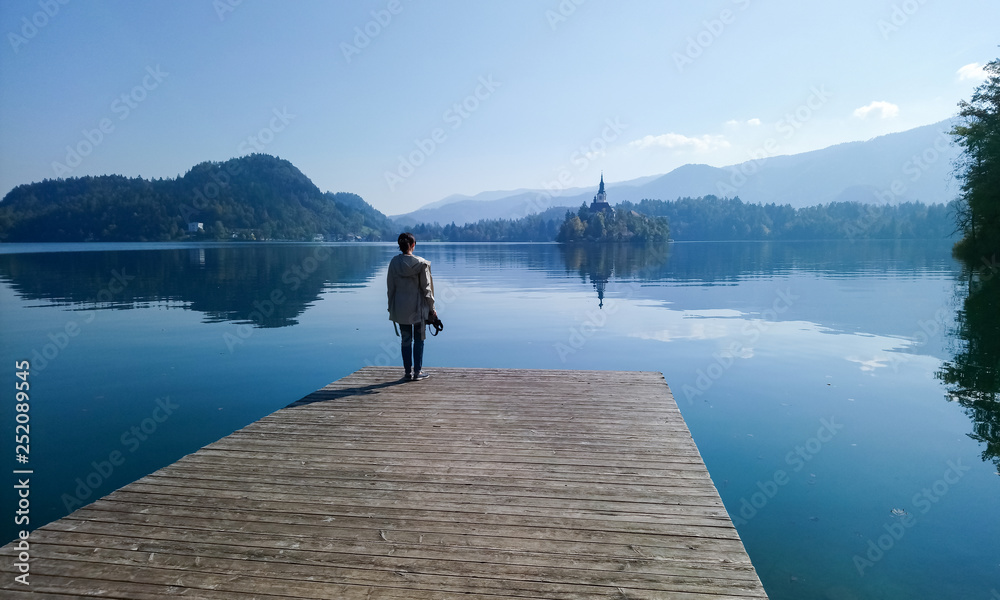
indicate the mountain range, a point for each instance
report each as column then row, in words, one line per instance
column 913, row 165
column 263, row 197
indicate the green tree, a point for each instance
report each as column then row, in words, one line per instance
column 596, row 227
column 572, row 229
column 979, row 168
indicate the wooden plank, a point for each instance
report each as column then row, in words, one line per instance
column 302, row 530
column 488, row 483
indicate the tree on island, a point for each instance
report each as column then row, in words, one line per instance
column 979, row 170
column 620, row 225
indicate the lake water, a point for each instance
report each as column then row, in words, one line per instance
column 843, row 395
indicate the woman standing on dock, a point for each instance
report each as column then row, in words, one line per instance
column 411, row 303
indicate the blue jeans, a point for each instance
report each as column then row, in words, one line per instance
column 412, row 347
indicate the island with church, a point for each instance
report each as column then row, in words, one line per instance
column 600, row 222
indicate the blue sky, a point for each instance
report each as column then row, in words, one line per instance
column 408, row 101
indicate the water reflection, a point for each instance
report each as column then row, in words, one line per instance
column 726, row 262
column 264, row 285
column 849, row 343
column 600, row 262
column 231, row 282
column 972, row 376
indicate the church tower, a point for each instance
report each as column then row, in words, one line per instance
column 600, row 202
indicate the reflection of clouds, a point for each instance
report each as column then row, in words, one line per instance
column 738, row 335
column 692, row 331
column 740, row 352
column 712, row 313
column 893, row 359
column 870, row 364
column 710, row 324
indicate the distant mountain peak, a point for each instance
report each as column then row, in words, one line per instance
column 878, row 170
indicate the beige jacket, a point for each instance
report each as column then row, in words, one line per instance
column 411, row 289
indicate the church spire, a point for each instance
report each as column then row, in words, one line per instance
column 600, row 202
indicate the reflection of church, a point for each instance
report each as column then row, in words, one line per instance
column 599, row 284
column 600, row 202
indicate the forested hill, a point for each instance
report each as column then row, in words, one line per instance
column 713, row 218
column 252, row 197
column 710, row 218
column 261, row 197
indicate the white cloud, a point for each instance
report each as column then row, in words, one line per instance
column 972, row 72
column 733, row 123
column 676, row 141
column 885, row 110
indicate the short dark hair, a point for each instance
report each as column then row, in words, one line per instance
column 405, row 241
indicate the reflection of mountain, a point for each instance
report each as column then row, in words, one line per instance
column 972, row 376
column 227, row 283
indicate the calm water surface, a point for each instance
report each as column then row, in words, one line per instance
column 843, row 395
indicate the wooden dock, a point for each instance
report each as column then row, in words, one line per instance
column 475, row 483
